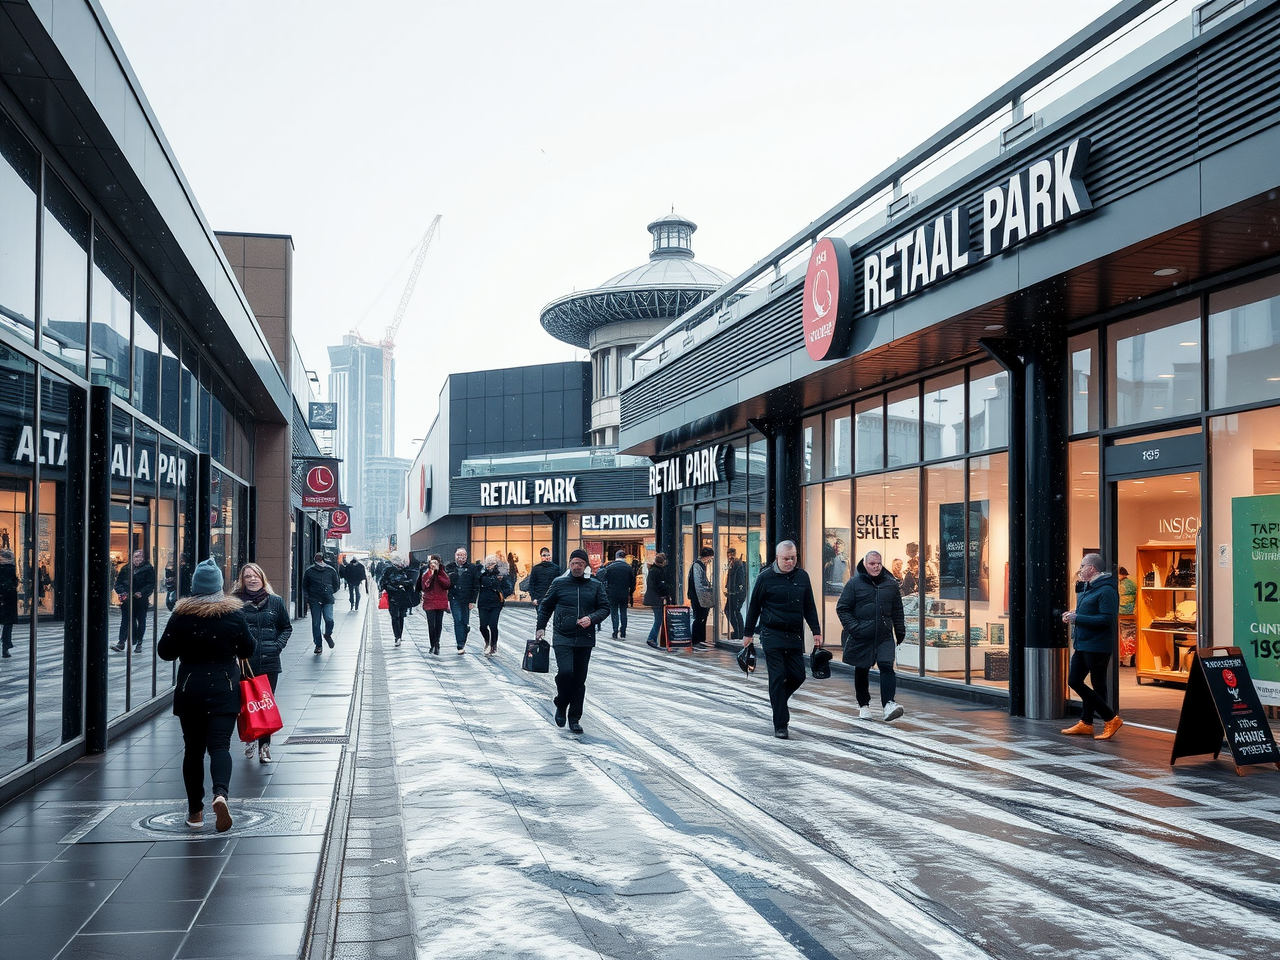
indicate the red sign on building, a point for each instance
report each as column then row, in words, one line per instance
column 320, row 484
column 828, row 299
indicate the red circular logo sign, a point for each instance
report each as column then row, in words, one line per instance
column 1229, row 678
column 320, row 479
column 339, row 518
column 827, row 299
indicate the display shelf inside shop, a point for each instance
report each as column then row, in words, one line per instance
column 1166, row 611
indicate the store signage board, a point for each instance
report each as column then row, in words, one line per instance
column 1255, row 589
column 1164, row 455
column 827, row 311
column 503, row 493
column 677, row 622
column 617, row 521
column 693, row 469
column 1036, row 199
column 1222, row 701
column 322, row 416
column 320, row 483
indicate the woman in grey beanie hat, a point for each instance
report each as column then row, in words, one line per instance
column 207, row 634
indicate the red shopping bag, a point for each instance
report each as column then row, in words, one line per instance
column 259, row 715
column 383, row 603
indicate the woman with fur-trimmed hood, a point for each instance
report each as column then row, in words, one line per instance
column 208, row 635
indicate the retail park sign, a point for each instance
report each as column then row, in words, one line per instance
column 502, row 493
column 693, row 469
column 617, row 521
column 1036, row 199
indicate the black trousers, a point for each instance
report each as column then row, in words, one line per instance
column 353, row 593
column 571, row 678
column 435, row 623
column 397, row 619
column 862, row 683
column 786, row 674
column 733, row 610
column 133, row 611
column 1095, row 666
column 700, row 614
column 489, row 625
column 201, row 734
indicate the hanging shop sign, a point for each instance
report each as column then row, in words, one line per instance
column 322, row 416
column 828, row 299
column 320, row 483
column 339, row 521
column 708, row 465
column 1255, row 588
column 1034, row 200
column 617, row 521
column 503, row 493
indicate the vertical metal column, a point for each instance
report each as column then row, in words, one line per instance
column 98, row 548
column 668, row 533
column 559, row 538
column 783, row 493
column 204, row 508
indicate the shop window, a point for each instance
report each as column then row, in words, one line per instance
column 987, row 561
column 943, row 416
column 170, row 376
column 129, row 532
column 757, row 461
column 1084, row 382
column 812, row 549
column 19, row 190
column 988, row 407
column 839, row 444
column 190, row 411
column 868, row 434
column 1155, row 366
column 886, row 518
column 811, row 449
column 146, row 579
column 1244, row 344
column 146, row 353
column 65, row 277
column 903, row 423
column 838, row 549
column 942, row 571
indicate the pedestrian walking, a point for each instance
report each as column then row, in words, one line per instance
column 433, row 585
column 497, row 582
column 541, row 575
column 8, row 600
column 135, row 583
column 401, row 586
column 355, row 576
column 575, row 605
column 319, row 584
column 658, row 592
column 464, row 587
column 619, row 582
column 699, row 594
column 271, row 628
column 781, row 604
column 735, row 593
column 1093, row 624
column 207, row 635
column 870, row 610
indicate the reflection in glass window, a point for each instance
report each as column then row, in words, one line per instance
column 190, row 418
column 988, row 406
column 988, row 564
column 65, row 276
column 811, row 449
column 839, row 549
column 112, row 289
column 19, row 183
column 1084, row 382
column 170, row 376
column 942, row 571
column 1244, row 344
column 146, row 353
column 143, row 663
column 1155, row 366
column 868, row 434
column 839, row 443
column 944, row 416
column 903, row 424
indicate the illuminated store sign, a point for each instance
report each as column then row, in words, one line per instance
column 1038, row 198
column 693, row 469
column 145, row 463
column 502, row 493
column 617, row 521
column 827, row 311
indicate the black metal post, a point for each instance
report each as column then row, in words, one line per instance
column 101, row 574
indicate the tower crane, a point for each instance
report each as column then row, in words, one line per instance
column 389, row 338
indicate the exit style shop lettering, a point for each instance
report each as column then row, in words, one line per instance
column 1038, row 198
column 502, row 493
column 691, row 470
column 876, row 526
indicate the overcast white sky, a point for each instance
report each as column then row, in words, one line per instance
column 548, row 133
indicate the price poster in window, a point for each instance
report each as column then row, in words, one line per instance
column 1255, row 578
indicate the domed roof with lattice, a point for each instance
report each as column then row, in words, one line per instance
column 670, row 284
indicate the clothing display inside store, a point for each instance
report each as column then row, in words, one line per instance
column 1167, row 612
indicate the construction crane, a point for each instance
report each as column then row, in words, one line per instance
column 389, row 338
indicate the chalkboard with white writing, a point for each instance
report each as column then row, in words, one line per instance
column 1221, row 701
column 679, row 626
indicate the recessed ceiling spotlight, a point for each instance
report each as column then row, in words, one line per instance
column 992, row 327
column 1167, row 272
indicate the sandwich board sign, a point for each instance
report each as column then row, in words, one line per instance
column 677, row 626
column 1221, row 701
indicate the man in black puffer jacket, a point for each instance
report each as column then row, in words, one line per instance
column 619, row 583
column 575, row 605
column 540, row 577
column 464, row 588
column 782, row 603
column 870, row 610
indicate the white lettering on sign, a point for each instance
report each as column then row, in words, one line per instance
column 617, row 521
column 169, row 470
column 504, row 493
column 1044, row 195
column 687, row 470
column 1180, row 528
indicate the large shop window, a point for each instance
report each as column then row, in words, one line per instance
column 1155, row 366
column 1244, row 344
column 903, row 424
column 886, row 518
column 19, row 192
column 1085, row 394
column 868, row 434
column 988, row 407
column 517, row 539
column 65, row 276
column 944, row 416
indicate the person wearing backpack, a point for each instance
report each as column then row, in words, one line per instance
column 496, row 584
column 401, row 585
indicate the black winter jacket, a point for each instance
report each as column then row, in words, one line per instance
column 1097, row 610
column 401, row 584
column 319, row 584
column 568, row 600
column 464, row 581
column 495, row 586
column 736, row 581
column 781, row 604
column 619, row 581
column 354, row 572
column 144, row 582
column 8, row 593
column 271, row 628
column 658, row 590
column 540, row 578
column 206, row 635
column 870, row 610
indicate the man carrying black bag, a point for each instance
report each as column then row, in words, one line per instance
column 575, row 604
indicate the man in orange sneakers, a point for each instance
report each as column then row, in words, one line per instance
column 1093, row 623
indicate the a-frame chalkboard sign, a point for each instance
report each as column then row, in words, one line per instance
column 1222, row 701
column 677, row 626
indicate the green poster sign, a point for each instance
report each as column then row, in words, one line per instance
column 1255, row 589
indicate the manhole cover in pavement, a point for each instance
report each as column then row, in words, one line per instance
column 167, row 820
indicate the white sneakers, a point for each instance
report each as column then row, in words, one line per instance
column 892, row 711
column 864, row 713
